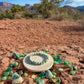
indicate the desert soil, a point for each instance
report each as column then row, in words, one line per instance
column 26, row 36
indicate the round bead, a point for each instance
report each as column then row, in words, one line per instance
column 37, row 80
column 11, row 65
column 6, row 73
column 15, row 64
column 9, row 69
column 53, row 73
column 72, row 72
column 65, row 62
column 25, row 74
column 33, row 76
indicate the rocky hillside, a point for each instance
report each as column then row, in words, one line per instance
column 71, row 9
column 80, row 8
column 5, row 5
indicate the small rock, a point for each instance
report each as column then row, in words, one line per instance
column 41, row 81
column 48, row 74
column 74, row 67
column 20, row 72
column 17, row 79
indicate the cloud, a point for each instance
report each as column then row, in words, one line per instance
column 77, row 3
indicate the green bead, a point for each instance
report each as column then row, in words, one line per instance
column 9, row 77
column 65, row 62
column 43, row 76
column 75, row 68
column 9, row 69
column 54, row 73
column 11, row 65
column 51, row 68
column 4, row 78
column 59, row 61
column 55, row 62
column 6, row 73
column 69, row 62
column 60, row 69
column 46, row 51
column 15, row 64
column 72, row 72
column 58, row 56
column 33, row 76
column 25, row 74
column 37, row 80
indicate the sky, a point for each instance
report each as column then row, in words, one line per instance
column 75, row 3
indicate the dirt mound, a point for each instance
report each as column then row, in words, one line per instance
column 71, row 53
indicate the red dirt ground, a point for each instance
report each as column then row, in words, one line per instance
column 25, row 36
column 18, row 34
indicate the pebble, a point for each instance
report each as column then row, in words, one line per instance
column 72, row 72
column 17, row 79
